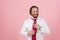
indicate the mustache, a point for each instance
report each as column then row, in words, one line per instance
column 35, row 14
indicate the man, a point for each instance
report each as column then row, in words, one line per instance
column 35, row 27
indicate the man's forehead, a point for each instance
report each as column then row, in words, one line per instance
column 34, row 9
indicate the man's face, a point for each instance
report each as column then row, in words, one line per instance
column 34, row 12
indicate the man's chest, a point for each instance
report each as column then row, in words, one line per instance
column 29, row 24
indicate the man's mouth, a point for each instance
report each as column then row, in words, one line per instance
column 35, row 15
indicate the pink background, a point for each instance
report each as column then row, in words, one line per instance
column 14, row 12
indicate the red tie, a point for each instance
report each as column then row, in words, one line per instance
column 34, row 36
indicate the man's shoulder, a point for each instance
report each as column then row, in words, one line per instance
column 27, row 20
column 40, row 19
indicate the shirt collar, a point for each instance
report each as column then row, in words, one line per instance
column 33, row 18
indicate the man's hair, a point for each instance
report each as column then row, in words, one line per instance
column 32, row 7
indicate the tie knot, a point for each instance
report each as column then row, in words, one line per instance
column 34, row 19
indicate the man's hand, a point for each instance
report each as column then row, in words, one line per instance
column 31, row 32
column 37, row 26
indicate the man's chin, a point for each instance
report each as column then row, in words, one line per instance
column 35, row 17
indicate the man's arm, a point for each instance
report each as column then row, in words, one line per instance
column 24, row 30
column 44, row 29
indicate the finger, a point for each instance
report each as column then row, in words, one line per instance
column 33, row 31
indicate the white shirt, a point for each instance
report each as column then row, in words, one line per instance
column 28, row 24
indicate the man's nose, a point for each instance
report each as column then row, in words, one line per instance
column 36, row 12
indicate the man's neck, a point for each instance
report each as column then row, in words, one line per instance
column 33, row 17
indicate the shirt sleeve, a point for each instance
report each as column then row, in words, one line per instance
column 45, row 29
column 24, row 29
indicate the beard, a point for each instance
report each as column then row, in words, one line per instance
column 35, row 15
